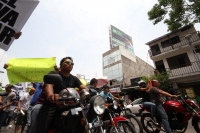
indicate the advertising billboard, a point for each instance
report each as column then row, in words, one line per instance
column 118, row 37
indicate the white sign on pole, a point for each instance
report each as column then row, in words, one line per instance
column 13, row 16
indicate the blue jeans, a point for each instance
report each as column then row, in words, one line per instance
column 150, row 105
column 34, row 115
column 29, row 118
column 3, row 115
column 163, row 115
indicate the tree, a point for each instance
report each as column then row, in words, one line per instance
column 162, row 78
column 1, row 90
column 180, row 13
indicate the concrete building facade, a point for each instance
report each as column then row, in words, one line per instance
column 120, row 67
column 178, row 53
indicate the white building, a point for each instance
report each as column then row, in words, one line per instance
column 173, row 53
column 120, row 69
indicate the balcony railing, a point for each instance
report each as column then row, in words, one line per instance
column 182, row 42
column 184, row 70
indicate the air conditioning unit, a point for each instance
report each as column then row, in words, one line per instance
column 197, row 48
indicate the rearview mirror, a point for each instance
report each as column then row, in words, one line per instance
column 52, row 79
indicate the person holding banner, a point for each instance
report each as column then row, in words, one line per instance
column 49, row 108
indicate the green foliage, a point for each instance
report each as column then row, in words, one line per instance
column 144, row 78
column 162, row 78
column 1, row 90
column 180, row 13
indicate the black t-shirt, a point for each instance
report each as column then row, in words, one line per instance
column 145, row 96
column 69, row 82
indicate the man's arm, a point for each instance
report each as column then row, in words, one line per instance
column 144, row 89
column 19, row 105
column 0, row 99
column 83, row 87
column 50, row 93
column 7, row 105
column 113, row 96
column 166, row 94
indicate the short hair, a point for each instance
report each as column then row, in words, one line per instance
column 154, row 81
column 32, row 89
column 9, row 86
column 106, row 87
column 93, row 81
column 63, row 59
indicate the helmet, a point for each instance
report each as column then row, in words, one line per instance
column 140, row 82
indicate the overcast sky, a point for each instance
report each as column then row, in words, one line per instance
column 79, row 28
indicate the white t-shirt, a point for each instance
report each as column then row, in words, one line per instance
column 25, row 101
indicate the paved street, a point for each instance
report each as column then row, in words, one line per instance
column 11, row 130
column 189, row 130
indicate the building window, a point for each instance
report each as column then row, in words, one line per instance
column 111, row 58
column 178, row 61
column 160, row 66
column 155, row 50
column 165, row 43
column 175, row 40
column 170, row 42
column 113, row 71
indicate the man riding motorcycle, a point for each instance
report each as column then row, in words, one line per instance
column 155, row 94
column 50, row 108
column 106, row 94
column 146, row 98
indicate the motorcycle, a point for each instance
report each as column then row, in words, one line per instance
column 179, row 113
column 116, row 123
column 120, row 110
column 79, row 113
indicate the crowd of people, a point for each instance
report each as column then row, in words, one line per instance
column 38, row 108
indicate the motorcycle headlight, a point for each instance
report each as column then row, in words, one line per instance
column 97, row 103
column 115, row 104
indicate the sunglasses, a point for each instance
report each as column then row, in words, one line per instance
column 69, row 63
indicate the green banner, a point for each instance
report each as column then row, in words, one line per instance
column 29, row 69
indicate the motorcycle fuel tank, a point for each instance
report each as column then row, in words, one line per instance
column 173, row 105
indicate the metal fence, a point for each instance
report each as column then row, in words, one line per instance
column 184, row 69
column 195, row 36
